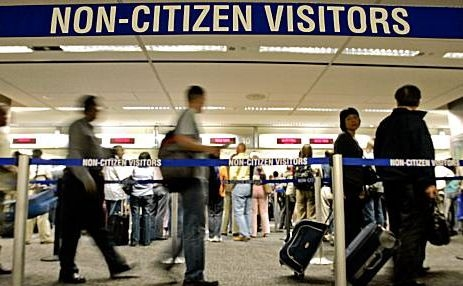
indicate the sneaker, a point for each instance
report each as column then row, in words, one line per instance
column 177, row 260
column 241, row 238
column 74, row 278
column 216, row 238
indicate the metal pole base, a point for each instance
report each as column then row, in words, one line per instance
column 51, row 258
column 320, row 261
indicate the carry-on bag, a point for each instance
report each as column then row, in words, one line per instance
column 301, row 247
column 118, row 226
column 368, row 252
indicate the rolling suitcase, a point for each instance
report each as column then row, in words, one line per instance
column 118, row 226
column 368, row 252
column 301, row 247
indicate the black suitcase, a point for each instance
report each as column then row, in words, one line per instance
column 118, row 225
column 301, row 247
column 368, row 252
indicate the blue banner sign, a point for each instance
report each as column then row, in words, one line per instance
column 238, row 18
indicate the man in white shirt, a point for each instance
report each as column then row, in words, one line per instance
column 114, row 195
column 39, row 172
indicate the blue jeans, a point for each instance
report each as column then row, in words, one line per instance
column 373, row 210
column 114, row 207
column 215, row 210
column 141, row 225
column 194, row 223
column 242, row 202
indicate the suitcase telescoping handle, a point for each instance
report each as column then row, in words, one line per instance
column 370, row 264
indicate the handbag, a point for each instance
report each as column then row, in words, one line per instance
column 268, row 189
column 438, row 229
column 369, row 176
column 127, row 185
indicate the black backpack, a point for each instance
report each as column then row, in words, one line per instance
column 305, row 178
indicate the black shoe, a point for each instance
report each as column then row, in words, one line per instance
column 74, row 278
column 4, row 271
column 118, row 270
column 200, row 283
column 423, row 271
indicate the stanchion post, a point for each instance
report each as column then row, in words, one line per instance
column 174, row 224
column 339, row 233
column 276, row 210
column 319, row 258
column 20, row 218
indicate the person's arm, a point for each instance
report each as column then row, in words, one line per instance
column 188, row 143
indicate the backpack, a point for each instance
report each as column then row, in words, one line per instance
column 307, row 178
column 174, row 177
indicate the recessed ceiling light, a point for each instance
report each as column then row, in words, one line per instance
column 297, row 50
column 380, row 52
column 101, row 48
column 146, row 107
column 15, row 49
column 29, row 109
column 256, row 108
column 214, row 107
column 186, row 48
column 453, row 55
column 379, row 110
column 318, row 109
column 69, row 108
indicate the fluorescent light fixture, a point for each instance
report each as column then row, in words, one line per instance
column 297, row 50
column 378, row 110
column 69, row 108
column 29, row 109
column 102, row 48
column 186, row 48
column 214, row 107
column 380, row 52
column 180, row 108
column 253, row 108
column 453, row 55
column 146, row 107
column 318, row 109
column 15, row 49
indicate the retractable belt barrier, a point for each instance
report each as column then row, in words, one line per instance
column 337, row 162
column 235, row 162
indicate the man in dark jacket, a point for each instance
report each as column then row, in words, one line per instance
column 407, row 190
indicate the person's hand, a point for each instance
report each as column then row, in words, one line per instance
column 431, row 192
column 214, row 150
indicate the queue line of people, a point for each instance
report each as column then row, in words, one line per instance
column 403, row 134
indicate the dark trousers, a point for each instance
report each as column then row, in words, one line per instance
column 408, row 209
column 353, row 216
column 215, row 210
column 83, row 210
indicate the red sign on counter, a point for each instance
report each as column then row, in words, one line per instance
column 24, row 141
column 223, row 140
column 321, row 140
column 289, row 140
column 122, row 140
